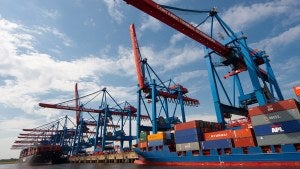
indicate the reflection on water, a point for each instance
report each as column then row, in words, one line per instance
column 118, row 166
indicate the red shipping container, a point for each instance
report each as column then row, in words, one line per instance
column 244, row 142
column 242, row 133
column 297, row 90
column 273, row 107
column 188, row 125
column 224, row 134
column 143, row 144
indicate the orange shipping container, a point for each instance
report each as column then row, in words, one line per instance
column 242, row 133
column 224, row 134
column 273, row 107
column 142, row 144
column 244, row 142
column 157, row 136
column 187, row 125
column 297, row 90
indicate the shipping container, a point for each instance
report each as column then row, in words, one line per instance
column 188, row 139
column 242, row 133
column 142, row 144
column 224, row 134
column 214, row 144
column 280, row 116
column 277, row 128
column 156, row 143
column 188, row 146
column 183, row 133
column 157, row 136
column 187, row 125
column 169, row 135
column 274, row 107
column 290, row 138
column 244, row 142
column 144, row 134
column 142, row 139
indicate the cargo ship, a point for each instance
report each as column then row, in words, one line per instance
column 43, row 154
column 270, row 137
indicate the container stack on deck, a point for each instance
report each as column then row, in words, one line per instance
column 143, row 141
column 188, row 136
column 276, row 123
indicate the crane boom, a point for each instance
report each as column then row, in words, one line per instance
column 82, row 109
column 77, row 103
column 167, row 17
column 137, row 57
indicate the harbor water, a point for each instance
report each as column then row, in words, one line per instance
column 115, row 166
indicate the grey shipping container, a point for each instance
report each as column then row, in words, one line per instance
column 188, row 146
column 290, row 138
column 276, row 117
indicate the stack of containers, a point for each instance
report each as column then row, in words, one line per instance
column 277, row 123
column 143, row 143
column 188, row 136
column 207, row 126
column 218, row 139
column 158, row 139
column 244, row 138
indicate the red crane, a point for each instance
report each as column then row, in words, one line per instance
column 141, row 75
column 170, row 19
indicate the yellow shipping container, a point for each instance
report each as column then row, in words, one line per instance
column 157, row 136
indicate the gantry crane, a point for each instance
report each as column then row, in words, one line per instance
column 233, row 53
column 158, row 92
column 122, row 113
column 57, row 132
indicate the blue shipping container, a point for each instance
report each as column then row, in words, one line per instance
column 277, row 128
column 184, row 133
column 214, row 144
column 156, row 143
column 188, row 139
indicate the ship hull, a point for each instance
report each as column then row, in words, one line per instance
column 236, row 158
column 50, row 156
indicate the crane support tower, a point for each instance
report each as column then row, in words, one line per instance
column 233, row 52
column 159, row 93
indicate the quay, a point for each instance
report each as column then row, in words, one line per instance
column 124, row 157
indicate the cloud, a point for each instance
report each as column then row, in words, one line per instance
column 53, row 14
column 65, row 39
column 176, row 38
column 113, row 9
column 186, row 76
column 240, row 16
column 28, row 76
column 151, row 24
column 283, row 39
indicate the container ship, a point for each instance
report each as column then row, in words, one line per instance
column 43, row 154
column 257, row 127
column 270, row 138
column 46, row 144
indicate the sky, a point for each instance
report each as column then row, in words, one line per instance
column 48, row 46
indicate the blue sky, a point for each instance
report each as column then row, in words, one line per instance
column 48, row 46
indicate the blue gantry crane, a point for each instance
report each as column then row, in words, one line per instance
column 105, row 128
column 233, row 52
column 59, row 132
column 159, row 93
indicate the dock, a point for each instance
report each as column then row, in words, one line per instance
column 124, row 157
